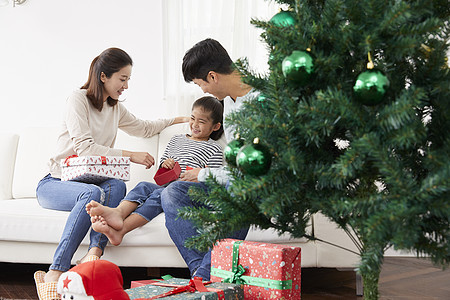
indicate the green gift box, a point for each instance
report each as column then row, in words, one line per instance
column 176, row 288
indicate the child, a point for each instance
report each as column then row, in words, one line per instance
column 143, row 203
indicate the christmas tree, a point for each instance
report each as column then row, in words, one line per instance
column 352, row 122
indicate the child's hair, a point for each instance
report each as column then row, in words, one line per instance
column 207, row 55
column 215, row 108
column 109, row 62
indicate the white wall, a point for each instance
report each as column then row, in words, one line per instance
column 46, row 47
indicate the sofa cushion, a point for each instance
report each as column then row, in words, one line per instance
column 131, row 143
column 7, row 162
column 35, row 147
column 25, row 220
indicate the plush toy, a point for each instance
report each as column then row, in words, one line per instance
column 92, row 280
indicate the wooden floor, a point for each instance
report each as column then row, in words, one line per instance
column 401, row 278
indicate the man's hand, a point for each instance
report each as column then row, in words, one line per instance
column 191, row 175
column 168, row 163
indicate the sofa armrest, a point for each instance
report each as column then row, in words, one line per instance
column 335, row 248
column 8, row 149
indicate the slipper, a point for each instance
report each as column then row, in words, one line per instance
column 88, row 258
column 45, row 290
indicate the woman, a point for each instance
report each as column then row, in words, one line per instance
column 93, row 116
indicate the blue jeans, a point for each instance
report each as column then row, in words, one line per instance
column 148, row 197
column 52, row 193
column 174, row 197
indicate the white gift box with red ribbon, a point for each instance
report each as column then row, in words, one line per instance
column 93, row 169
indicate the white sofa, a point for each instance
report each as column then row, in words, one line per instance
column 30, row 234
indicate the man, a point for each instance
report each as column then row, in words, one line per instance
column 208, row 65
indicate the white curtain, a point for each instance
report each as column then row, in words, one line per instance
column 186, row 22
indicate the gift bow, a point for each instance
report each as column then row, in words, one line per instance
column 66, row 161
column 236, row 276
column 195, row 284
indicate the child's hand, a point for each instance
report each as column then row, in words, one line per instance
column 168, row 163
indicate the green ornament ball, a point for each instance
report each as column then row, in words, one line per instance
column 231, row 150
column 283, row 19
column 262, row 99
column 370, row 87
column 254, row 159
column 298, row 67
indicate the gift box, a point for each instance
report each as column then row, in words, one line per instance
column 164, row 175
column 176, row 288
column 94, row 169
column 138, row 283
column 267, row 271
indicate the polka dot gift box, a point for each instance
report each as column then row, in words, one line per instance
column 267, row 271
column 94, row 169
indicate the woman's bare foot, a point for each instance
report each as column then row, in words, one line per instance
column 111, row 215
column 101, row 225
column 52, row 275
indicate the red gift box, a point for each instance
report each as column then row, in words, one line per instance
column 268, row 271
column 137, row 283
column 164, row 175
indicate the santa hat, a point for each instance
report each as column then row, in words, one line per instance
column 100, row 279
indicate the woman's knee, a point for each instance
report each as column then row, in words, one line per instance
column 114, row 192
column 117, row 186
column 95, row 193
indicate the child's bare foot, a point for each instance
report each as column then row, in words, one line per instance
column 114, row 236
column 111, row 215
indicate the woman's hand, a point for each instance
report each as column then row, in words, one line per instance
column 168, row 163
column 191, row 175
column 178, row 120
column 142, row 158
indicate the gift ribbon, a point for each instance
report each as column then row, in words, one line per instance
column 236, row 274
column 66, row 161
column 195, row 285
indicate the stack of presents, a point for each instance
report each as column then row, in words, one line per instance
column 239, row 270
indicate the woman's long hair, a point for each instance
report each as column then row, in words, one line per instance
column 109, row 62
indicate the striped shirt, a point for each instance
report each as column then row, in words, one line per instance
column 195, row 154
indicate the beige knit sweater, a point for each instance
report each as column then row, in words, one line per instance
column 86, row 131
